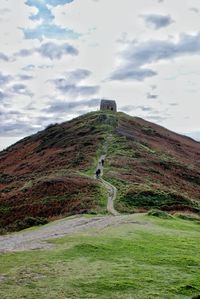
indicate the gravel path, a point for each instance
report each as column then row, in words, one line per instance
column 36, row 238
column 112, row 191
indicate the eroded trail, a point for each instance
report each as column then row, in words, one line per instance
column 112, row 191
column 37, row 238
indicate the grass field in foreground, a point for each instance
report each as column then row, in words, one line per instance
column 152, row 258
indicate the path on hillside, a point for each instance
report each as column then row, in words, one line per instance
column 37, row 238
column 112, row 191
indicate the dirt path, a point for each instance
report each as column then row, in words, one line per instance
column 112, row 191
column 37, row 238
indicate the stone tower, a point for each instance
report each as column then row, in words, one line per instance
column 108, row 105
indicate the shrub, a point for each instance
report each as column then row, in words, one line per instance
column 188, row 217
column 159, row 213
column 144, row 197
column 29, row 221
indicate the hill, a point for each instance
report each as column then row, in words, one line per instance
column 50, row 174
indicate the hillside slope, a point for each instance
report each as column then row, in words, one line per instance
column 46, row 174
column 153, row 167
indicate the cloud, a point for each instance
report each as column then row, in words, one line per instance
column 128, row 108
column 77, row 75
column 69, row 107
column 3, row 96
column 4, row 79
column 54, row 51
column 28, row 67
column 49, row 50
column 16, row 128
column 19, row 123
column 137, row 55
column 157, row 21
column 151, row 96
column 4, row 57
column 194, row 9
column 70, row 84
column 47, row 28
column 20, row 89
column 25, row 77
column 125, row 73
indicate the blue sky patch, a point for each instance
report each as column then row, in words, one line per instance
column 47, row 28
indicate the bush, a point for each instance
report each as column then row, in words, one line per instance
column 159, row 213
column 188, row 217
column 148, row 198
column 29, row 221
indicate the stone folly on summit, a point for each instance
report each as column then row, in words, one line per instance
column 108, row 105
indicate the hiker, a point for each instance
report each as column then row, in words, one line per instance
column 98, row 171
column 102, row 162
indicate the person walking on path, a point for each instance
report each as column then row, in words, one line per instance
column 98, row 172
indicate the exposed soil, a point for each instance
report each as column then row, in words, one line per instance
column 37, row 239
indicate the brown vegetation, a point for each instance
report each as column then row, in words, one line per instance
column 40, row 176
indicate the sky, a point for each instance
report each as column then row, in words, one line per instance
column 58, row 58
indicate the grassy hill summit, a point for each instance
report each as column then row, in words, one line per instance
column 50, row 174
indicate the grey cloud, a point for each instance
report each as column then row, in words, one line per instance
column 74, row 90
column 4, row 10
column 13, row 123
column 151, row 96
column 20, row 89
column 4, row 79
column 3, row 96
column 156, row 50
column 157, row 21
column 24, row 52
column 173, row 104
column 137, row 55
column 49, row 50
column 129, row 108
column 156, row 118
column 77, row 75
column 16, row 128
column 194, row 9
column 25, row 77
column 127, row 73
column 54, row 51
column 29, row 67
column 70, row 84
column 4, row 57
column 64, row 107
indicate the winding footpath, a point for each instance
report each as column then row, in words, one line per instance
column 112, row 191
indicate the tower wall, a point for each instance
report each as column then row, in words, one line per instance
column 108, row 105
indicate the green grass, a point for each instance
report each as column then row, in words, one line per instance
column 148, row 258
